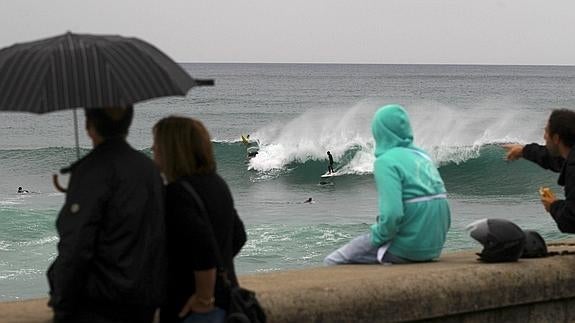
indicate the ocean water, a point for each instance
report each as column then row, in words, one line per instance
column 460, row 115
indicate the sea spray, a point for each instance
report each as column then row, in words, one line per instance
column 448, row 134
column 310, row 135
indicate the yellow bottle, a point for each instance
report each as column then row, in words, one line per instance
column 545, row 191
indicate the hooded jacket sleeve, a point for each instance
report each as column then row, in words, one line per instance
column 389, row 188
column 541, row 156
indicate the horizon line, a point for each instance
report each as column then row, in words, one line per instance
column 334, row 63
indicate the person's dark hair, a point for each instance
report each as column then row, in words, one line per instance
column 562, row 123
column 110, row 122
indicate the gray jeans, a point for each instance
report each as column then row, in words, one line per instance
column 361, row 251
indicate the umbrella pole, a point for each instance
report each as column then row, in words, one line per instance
column 76, row 134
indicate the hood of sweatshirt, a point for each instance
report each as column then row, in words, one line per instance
column 391, row 128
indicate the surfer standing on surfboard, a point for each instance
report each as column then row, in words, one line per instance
column 330, row 166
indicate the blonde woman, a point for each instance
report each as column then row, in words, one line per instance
column 183, row 151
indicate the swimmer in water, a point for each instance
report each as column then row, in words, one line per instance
column 22, row 191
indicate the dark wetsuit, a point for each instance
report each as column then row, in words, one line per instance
column 330, row 166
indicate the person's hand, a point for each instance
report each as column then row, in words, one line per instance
column 514, row 151
column 197, row 305
column 547, row 197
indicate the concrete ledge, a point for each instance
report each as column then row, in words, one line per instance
column 457, row 288
column 29, row 311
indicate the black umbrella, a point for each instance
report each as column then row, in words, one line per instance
column 73, row 70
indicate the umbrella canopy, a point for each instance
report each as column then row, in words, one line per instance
column 73, row 70
column 79, row 70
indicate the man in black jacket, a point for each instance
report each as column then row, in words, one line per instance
column 111, row 255
column 557, row 155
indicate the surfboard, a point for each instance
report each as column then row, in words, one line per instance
column 327, row 175
column 245, row 140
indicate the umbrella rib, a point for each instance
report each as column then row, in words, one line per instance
column 17, row 54
column 85, row 83
column 55, row 89
column 15, row 68
column 74, row 47
column 52, row 85
column 37, row 72
column 160, row 78
column 96, row 75
column 122, row 69
column 63, row 78
column 138, row 67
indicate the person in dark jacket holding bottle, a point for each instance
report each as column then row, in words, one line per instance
column 557, row 155
column 111, row 255
column 183, row 150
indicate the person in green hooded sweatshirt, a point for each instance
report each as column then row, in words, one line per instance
column 414, row 214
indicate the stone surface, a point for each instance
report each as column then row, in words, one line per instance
column 457, row 284
column 456, row 288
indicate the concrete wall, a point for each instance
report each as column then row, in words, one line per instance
column 455, row 289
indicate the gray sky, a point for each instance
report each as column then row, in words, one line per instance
column 316, row 31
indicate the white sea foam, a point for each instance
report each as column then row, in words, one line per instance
column 39, row 242
column 226, row 141
column 448, row 134
column 5, row 245
column 312, row 134
column 10, row 202
column 14, row 274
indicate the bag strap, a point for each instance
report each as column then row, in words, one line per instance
column 221, row 269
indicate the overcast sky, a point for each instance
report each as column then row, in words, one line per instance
column 316, row 31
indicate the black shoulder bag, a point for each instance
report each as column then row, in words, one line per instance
column 244, row 306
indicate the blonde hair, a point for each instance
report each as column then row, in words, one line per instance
column 184, row 147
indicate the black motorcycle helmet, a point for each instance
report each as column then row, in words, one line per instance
column 502, row 240
column 535, row 246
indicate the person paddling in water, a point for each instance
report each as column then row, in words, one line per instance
column 22, row 191
column 330, row 166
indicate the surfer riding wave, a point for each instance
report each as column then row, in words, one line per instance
column 252, row 146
